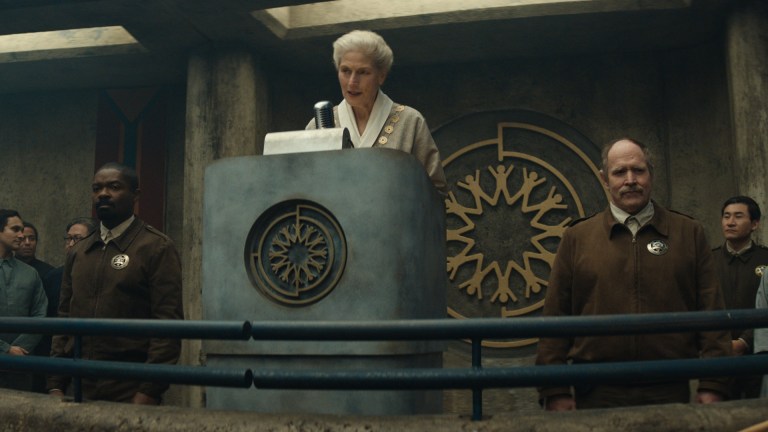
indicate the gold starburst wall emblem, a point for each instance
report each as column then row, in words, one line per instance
column 502, row 271
column 511, row 199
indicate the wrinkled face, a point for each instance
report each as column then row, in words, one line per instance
column 627, row 177
column 28, row 244
column 11, row 236
column 112, row 197
column 76, row 233
column 359, row 80
column 737, row 227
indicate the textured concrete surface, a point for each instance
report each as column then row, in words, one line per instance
column 31, row 412
column 747, row 42
column 392, row 266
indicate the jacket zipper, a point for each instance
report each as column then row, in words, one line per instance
column 636, row 293
column 97, row 281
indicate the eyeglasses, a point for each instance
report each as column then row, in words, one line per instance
column 72, row 239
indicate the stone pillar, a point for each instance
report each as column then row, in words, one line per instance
column 227, row 115
column 747, row 63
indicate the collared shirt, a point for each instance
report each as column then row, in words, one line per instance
column 21, row 295
column 110, row 234
column 738, row 252
column 6, row 269
column 642, row 217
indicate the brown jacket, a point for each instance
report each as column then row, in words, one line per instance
column 599, row 269
column 740, row 278
column 146, row 286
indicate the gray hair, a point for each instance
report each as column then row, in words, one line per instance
column 369, row 44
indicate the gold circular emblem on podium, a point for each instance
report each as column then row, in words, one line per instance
column 295, row 253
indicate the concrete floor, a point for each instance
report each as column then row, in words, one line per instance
column 32, row 412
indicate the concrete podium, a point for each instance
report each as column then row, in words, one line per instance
column 323, row 236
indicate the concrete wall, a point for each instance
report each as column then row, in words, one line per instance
column 174, row 189
column 47, row 143
column 700, row 153
column 747, row 44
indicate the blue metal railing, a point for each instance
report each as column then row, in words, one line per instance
column 505, row 328
column 173, row 374
column 475, row 378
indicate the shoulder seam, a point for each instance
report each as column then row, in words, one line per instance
column 682, row 214
column 580, row 220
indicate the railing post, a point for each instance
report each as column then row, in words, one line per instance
column 77, row 381
column 477, row 392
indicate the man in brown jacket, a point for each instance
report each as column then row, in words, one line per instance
column 634, row 257
column 127, row 269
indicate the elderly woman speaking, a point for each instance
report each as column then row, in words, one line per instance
column 363, row 60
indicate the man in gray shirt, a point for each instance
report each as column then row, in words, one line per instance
column 21, row 295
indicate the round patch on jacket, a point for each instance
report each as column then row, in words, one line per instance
column 760, row 270
column 120, row 262
column 658, row 247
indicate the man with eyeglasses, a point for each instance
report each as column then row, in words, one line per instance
column 28, row 248
column 77, row 229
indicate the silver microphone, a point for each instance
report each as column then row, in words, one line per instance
column 324, row 115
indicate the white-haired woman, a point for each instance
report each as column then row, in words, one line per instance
column 363, row 60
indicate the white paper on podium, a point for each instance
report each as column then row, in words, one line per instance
column 303, row 141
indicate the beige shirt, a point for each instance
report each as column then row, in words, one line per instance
column 109, row 234
column 642, row 217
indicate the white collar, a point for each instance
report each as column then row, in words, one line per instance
column 379, row 115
